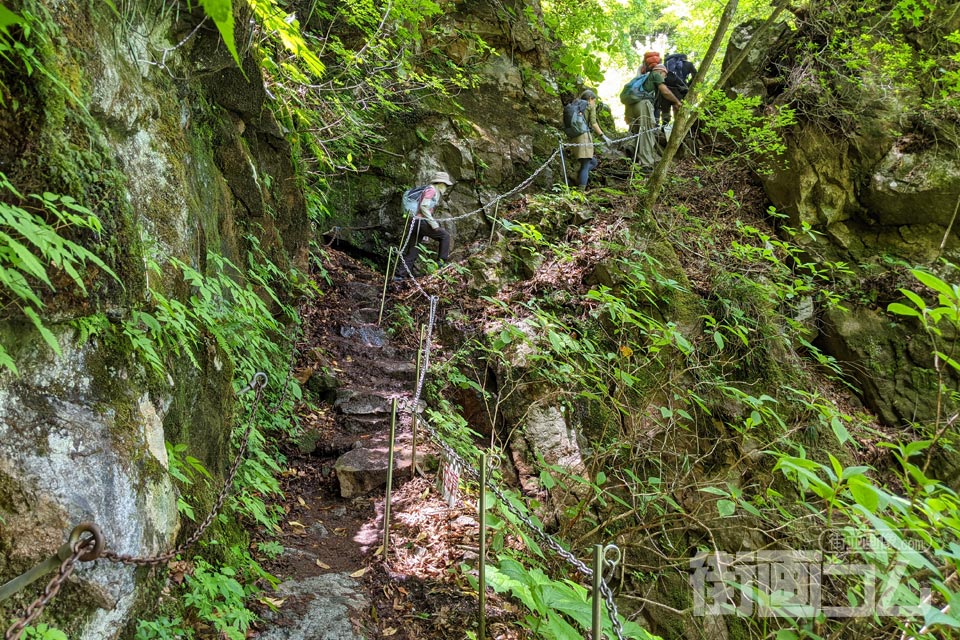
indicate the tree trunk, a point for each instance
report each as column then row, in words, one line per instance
column 688, row 112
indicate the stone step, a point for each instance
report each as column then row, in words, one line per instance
column 357, row 401
column 365, row 468
column 363, row 294
column 354, row 338
column 359, row 424
column 369, row 335
column 397, row 369
column 367, row 315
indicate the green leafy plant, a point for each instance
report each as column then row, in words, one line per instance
column 43, row 631
column 35, row 254
column 270, row 548
column 216, row 596
column 744, row 133
column 185, row 468
column 560, row 609
column 163, row 628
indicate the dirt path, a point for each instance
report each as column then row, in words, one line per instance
column 334, row 584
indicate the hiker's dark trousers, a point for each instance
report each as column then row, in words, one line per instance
column 586, row 165
column 422, row 229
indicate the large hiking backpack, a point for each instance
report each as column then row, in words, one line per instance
column 574, row 121
column 677, row 64
column 633, row 92
column 676, row 85
column 410, row 203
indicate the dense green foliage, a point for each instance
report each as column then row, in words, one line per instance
column 33, row 237
column 342, row 74
column 699, row 380
column 848, row 60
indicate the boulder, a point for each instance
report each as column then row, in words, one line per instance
column 892, row 363
column 365, row 468
column 325, row 604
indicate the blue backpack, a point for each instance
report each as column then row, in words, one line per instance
column 410, row 203
column 633, row 92
column 574, row 122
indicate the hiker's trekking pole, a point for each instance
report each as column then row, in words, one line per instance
column 563, row 164
column 403, row 236
column 386, row 279
column 636, row 150
column 493, row 224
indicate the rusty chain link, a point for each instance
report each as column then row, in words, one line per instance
column 453, row 457
column 257, row 384
column 82, row 550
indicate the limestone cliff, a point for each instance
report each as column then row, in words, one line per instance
column 142, row 116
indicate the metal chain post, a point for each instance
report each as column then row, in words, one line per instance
column 427, row 345
column 386, row 281
column 493, row 223
column 482, row 551
column 386, row 504
column 596, row 612
column 563, row 164
column 82, row 550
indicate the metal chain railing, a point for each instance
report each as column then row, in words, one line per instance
column 81, row 549
column 457, row 461
column 540, row 170
column 522, row 185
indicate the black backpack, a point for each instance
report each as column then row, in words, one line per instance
column 676, row 85
column 574, row 121
column 676, row 63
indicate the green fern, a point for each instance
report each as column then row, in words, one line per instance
column 32, row 247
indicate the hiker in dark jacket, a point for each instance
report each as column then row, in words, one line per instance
column 584, row 149
column 680, row 72
column 425, row 226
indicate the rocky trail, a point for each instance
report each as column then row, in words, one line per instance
column 334, row 583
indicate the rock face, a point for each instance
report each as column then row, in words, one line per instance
column 894, row 365
column 887, row 189
column 505, row 130
column 73, row 448
column 164, row 138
